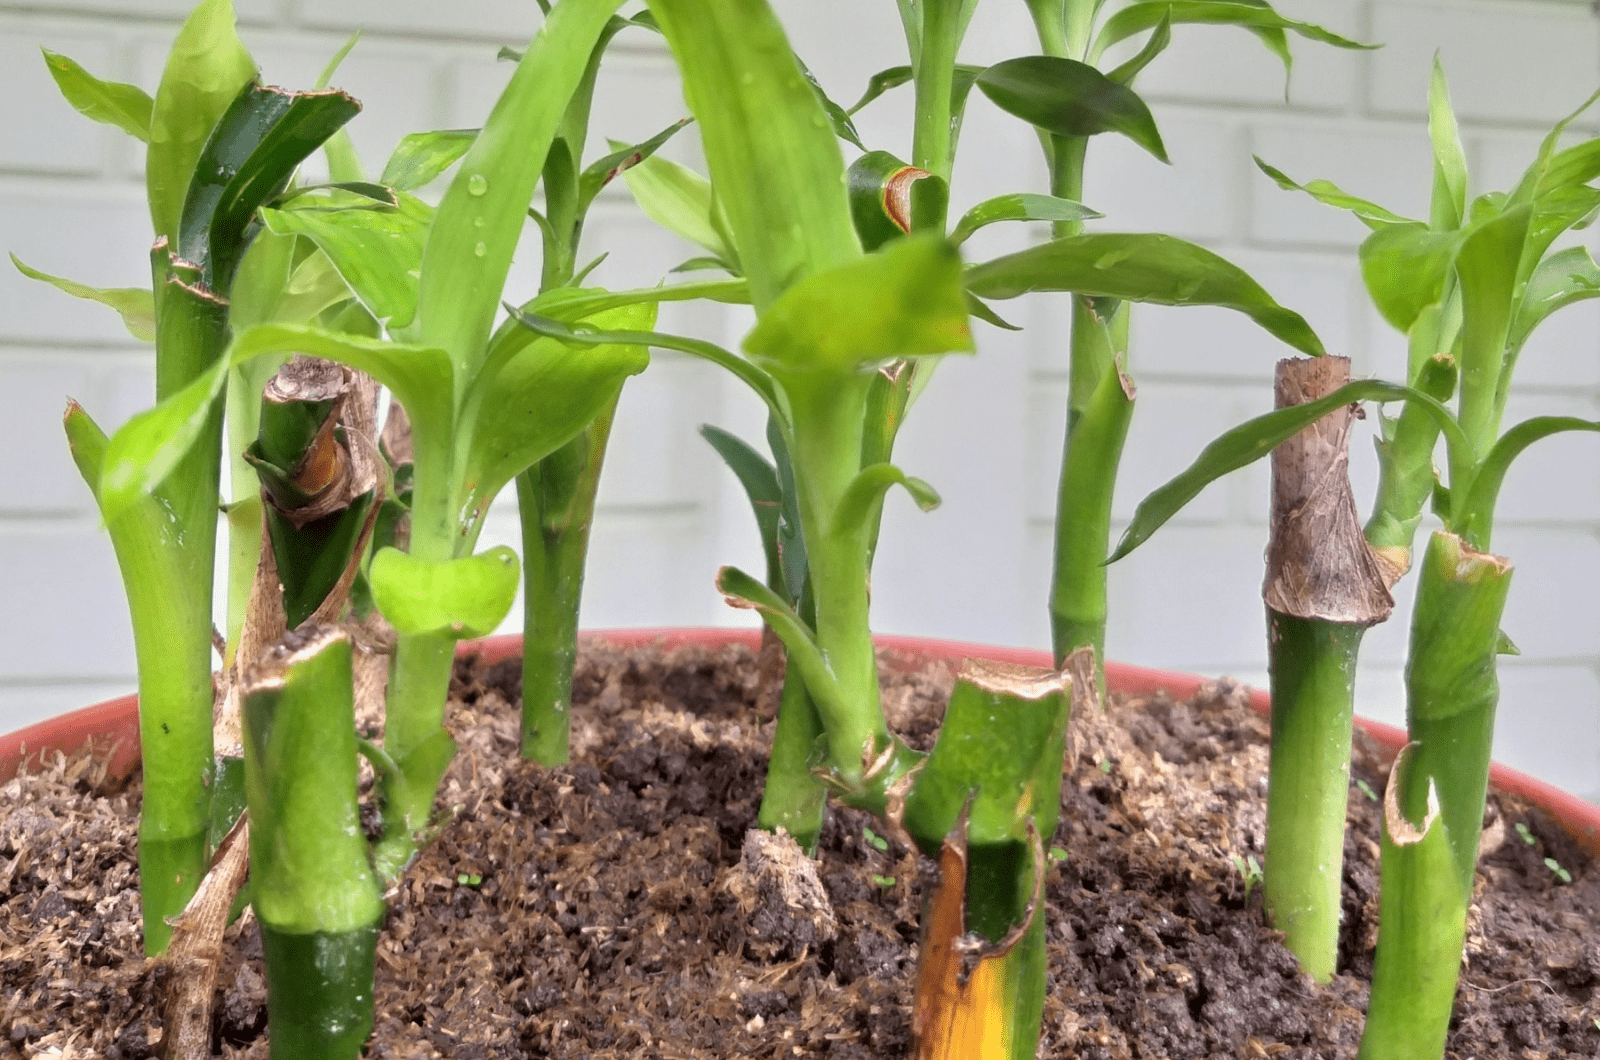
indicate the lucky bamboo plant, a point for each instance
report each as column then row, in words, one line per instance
column 1468, row 287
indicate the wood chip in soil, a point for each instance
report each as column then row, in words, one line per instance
column 618, row 907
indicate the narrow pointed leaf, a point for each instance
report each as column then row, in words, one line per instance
column 135, row 305
column 1250, row 14
column 1254, row 439
column 881, row 82
column 1449, row 207
column 377, row 252
column 1023, row 206
column 1154, row 46
column 621, row 159
column 867, row 490
column 467, row 597
column 904, row 301
column 1329, row 194
column 760, row 481
column 1068, row 98
column 128, row 107
column 1552, row 169
column 420, row 158
column 469, row 247
column 799, row 642
column 1140, row 268
column 1476, row 512
column 205, row 71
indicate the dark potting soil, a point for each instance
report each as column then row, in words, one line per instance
column 619, row 907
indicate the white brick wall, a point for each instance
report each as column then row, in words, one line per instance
column 988, row 432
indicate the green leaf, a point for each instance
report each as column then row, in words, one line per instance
column 314, row 286
column 772, row 154
column 420, row 158
column 799, row 642
column 206, row 69
column 1449, row 206
column 480, row 219
column 679, row 200
column 464, row 598
column 1250, row 14
column 866, row 491
column 881, row 82
column 1022, row 206
column 760, row 481
column 250, row 156
column 1140, row 268
column 838, row 117
column 142, row 453
column 1154, row 46
column 1326, row 192
column 1563, row 278
column 1254, row 439
column 377, row 252
column 313, row 557
column 127, row 107
column 331, row 67
column 532, row 397
column 904, row 301
column 1475, row 514
column 135, row 305
column 982, row 310
column 1406, row 267
column 621, row 159
column 1069, row 98
column 1551, row 169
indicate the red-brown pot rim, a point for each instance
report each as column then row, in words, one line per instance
column 113, row 726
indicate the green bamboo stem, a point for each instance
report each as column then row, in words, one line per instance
column 1096, row 431
column 1313, row 665
column 1451, row 694
column 312, row 886
column 556, row 499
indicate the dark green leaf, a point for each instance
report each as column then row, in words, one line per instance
column 466, row 597
column 127, row 107
column 206, row 70
column 1069, row 98
column 1254, row 439
column 135, row 305
column 247, row 161
column 312, row 558
column 760, row 481
column 838, row 117
column 365, row 193
column 1022, row 206
column 1140, row 268
column 904, row 301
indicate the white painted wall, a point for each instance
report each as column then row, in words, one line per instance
column 988, row 431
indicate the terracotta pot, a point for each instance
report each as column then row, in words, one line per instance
column 113, row 726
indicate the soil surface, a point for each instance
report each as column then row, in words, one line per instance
column 619, row 907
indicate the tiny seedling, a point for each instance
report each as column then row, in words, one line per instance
column 1249, row 871
column 1058, row 854
column 1557, row 871
column 1527, row 836
column 1366, row 789
column 469, row 879
column 884, row 881
column 875, row 839
column 1106, row 766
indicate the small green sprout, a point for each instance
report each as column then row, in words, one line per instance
column 1105, row 766
column 1250, row 870
column 1527, row 836
column 1557, row 871
column 884, row 881
column 1058, row 854
column 469, row 879
column 875, row 839
column 1366, row 789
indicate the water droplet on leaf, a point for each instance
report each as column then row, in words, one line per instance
column 477, row 184
column 481, row 249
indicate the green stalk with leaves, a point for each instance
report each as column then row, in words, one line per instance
column 219, row 147
column 1474, row 282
